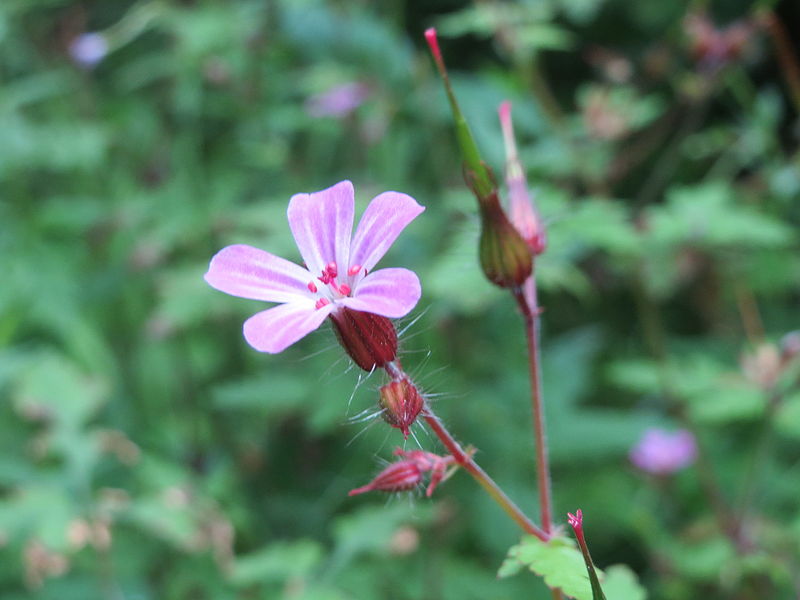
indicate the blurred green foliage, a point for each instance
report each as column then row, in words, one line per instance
column 147, row 452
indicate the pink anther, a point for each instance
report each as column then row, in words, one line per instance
column 344, row 289
column 332, row 269
column 322, row 302
column 354, row 270
column 312, row 287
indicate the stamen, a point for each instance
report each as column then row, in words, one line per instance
column 332, row 269
column 354, row 270
column 321, row 302
column 344, row 289
column 312, row 287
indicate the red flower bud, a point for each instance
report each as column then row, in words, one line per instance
column 398, row 477
column 369, row 339
column 400, row 402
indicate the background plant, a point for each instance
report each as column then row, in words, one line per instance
column 147, row 452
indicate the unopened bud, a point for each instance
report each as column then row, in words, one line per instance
column 369, row 339
column 576, row 522
column 397, row 477
column 505, row 257
column 522, row 211
column 400, row 402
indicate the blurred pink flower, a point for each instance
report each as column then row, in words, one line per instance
column 89, row 49
column 339, row 101
column 661, row 452
column 337, row 273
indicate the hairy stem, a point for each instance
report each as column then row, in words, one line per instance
column 529, row 308
column 465, row 460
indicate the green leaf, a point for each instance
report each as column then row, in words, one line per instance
column 620, row 583
column 558, row 561
column 277, row 562
column 787, row 421
column 51, row 386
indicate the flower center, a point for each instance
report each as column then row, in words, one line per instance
column 334, row 288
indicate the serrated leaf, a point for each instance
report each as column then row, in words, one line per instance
column 557, row 561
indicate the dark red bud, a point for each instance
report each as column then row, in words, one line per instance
column 398, row 477
column 369, row 339
column 400, row 402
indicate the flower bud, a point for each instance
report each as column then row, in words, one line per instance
column 397, row 477
column 505, row 257
column 522, row 210
column 400, row 402
column 369, row 339
column 576, row 522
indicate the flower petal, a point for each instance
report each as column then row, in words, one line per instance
column 386, row 216
column 277, row 328
column 388, row 292
column 248, row 272
column 322, row 224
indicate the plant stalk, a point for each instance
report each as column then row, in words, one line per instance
column 465, row 460
column 529, row 308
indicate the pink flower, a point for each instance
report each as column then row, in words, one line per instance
column 661, row 452
column 339, row 101
column 88, row 49
column 338, row 272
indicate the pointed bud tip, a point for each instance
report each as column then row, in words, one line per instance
column 433, row 43
column 504, row 110
column 576, row 520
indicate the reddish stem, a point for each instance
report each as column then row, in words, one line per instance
column 465, row 460
column 530, row 314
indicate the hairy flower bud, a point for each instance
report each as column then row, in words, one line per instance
column 505, row 257
column 397, row 477
column 400, row 402
column 369, row 339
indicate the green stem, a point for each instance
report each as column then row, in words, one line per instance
column 751, row 477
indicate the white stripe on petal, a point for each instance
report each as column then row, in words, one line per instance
column 276, row 329
column 322, row 224
column 388, row 292
column 386, row 216
column 248, row 272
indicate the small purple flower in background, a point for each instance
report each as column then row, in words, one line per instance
column 89, row 49
column 339, row 101
column 338, row 274
column 661, row 452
